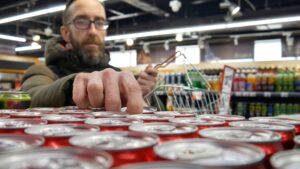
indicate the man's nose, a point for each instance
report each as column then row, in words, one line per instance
column 92, row 29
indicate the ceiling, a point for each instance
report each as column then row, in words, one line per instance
column 130, row 16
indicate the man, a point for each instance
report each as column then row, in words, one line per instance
column 77, row 70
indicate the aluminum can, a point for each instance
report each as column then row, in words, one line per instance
column 150, row 118
column 65, row 158
column 113, row 124
column 201, row 123
column 8, row 111
column 57, row 135
column 176, row 114
column 297, row 141
column 125, row 147
column 73, row 112
column 212, row 153
column 63, row 119
column 226, row 118
column 284, row 120
column 146, row 109
column 109, row 114
column 286, row 160
column 26, row 114
column 17, row 125
column 12, row 143
column 4, row 116
column 166, row 131
column 43, row 109
column 14, row 100
column 286, row 131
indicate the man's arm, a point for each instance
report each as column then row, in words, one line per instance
column 45, row 88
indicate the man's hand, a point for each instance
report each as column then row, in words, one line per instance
column 109, row 89
column 147, row 79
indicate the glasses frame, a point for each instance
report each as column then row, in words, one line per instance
column 106, row 24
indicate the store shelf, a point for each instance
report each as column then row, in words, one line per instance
column 267, row 94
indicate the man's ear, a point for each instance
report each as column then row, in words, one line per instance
column 65, row 33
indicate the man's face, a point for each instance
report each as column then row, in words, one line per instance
column 87, row 43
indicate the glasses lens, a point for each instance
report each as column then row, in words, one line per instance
column 100, row 24
column 82, row 23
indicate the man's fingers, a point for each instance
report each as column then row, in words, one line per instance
column 151, row 70
column 111, row 90
column 131, row 89
column 95, row 90
column 79, row 90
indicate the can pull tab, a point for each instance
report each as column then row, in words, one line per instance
column 194, row 153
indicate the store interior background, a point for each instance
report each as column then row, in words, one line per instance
column 253, row 46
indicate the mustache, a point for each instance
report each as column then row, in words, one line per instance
column 92, row 40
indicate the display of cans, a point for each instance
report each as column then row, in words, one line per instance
column 57, row 135
column 213, row 153
column 286, row 131
column 297, row 141
column 226, row 118
column 163, row 165
column 63, row 119
column 286, row 160
column 176, row 114
column 56, row 158
column 125, row 147
column 201, row 123
column 14, row 100
column 149, row 118
column 17, row 125
column 13, row 143
column 112, row 124
column 268, row 141
column 27, row 114
column 289, row 121
column 109, row 114
column 167, row 131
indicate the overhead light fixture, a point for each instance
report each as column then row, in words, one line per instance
column 34, row 44
column 12, row 38
column 175, row 5
column 234, row 9
column 48, row 31
column 167, row 45
column 146, row 48
column 236, row 41
column 179, row 37
column 129, row 42
column 28, row 48
column 36, row 38
column 206, row 28
column 54, row 9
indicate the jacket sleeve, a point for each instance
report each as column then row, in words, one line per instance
column 45, row 88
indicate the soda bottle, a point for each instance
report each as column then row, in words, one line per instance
column 271, row 81
column 236, row 81
column 276, row 109
column 252, row 110
column 295, row 108
column 289, row 108
column 270, row 110
column 279, row 81
column 297, row 81
column 242, row 81
column 258, row 81
column 263, row 82
column 283, row 108
column 264, row 109
column 291, row 77
column 286, row 80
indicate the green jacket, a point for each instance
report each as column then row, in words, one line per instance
column 50, row 85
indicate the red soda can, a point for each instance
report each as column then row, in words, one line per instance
column 164, row 165
column 286, row 131
column 57, row 135
column 63, row 119
column 146, row 109
column 284, row 120
column 109, row 114
column 27, row 114
column 17, row 126
column 65, row 158
column 201, row 123
column 176, row 114
column 166, row 131
column 297, row 141
column 43, row 109
column 8, row 111
column 212, row 153
column 150, row 118
column 286, row 160
column 268, row 141
column 12, row 143
column 125, row 147
column 4, row 116
column 112, row 124
column 226, row 118
column 71, row 112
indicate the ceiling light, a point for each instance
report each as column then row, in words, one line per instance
column 175, row 5
column 12, row 38
column 28, row 48
column 166, row 45
column 146, row 48
column 36, row 38
column 34, row 44
column 48, row 31
column 234, row 9
column 129, row 42
column 179, row 37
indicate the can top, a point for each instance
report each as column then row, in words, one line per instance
column 297, row 139
column 77, row 111
column 146, row 109
column 20, row 123
column 115, row 141
column 262, row 125
column 214, row 153
column 60, row 117
column 174, row 113
column 42, row 109
column 61, row 130
column 27, row 113
column 198, row 121
column 290, row 116
column 8, row 111
column 222, row 117
column 286, row 159
column 57, row 159
column 112, row 121
column 109, row 114
column 14, row 95
column 162, row 165
column 164, row 128
column 12, row 142
column 150, row 117
column 249, row 135
column 276, row 120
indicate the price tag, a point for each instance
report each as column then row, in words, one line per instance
column 238, row 94
column 284, row 94
column 267, row 94
column 252, row 94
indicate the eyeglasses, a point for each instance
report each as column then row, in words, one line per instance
column 84, row 24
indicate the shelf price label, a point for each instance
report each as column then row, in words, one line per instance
column 267, row 94
column 284, row 94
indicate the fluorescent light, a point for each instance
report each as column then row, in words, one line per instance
column 12, row 38
column 33, row 14
column 232, row 61
column 179, row 37
column 204, row 28
column 28, row 48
